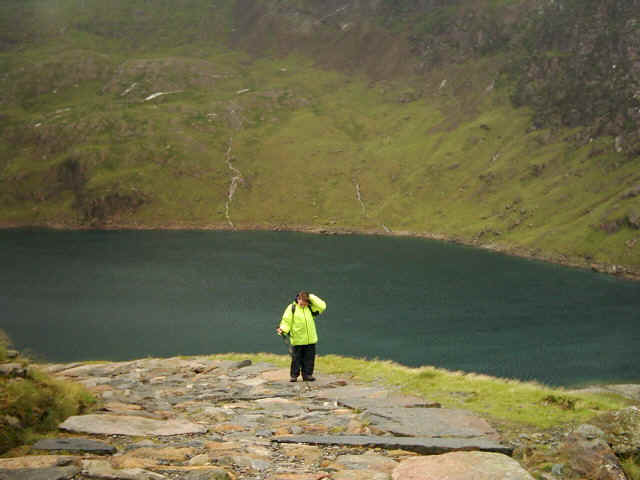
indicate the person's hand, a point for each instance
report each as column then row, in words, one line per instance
column 279, row 331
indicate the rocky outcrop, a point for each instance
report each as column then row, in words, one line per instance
column 40, row 77
column 384, row 39
column 584, row 453
column 342, row 35
column 96, row 209
column 589, row 456
column 574, row 62
column 622, row 430
column 581, row 69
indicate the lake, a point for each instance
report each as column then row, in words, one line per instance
column 117, row 295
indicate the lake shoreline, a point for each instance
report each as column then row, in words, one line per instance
column 621, row 271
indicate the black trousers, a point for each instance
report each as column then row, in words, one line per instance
column 303, row 359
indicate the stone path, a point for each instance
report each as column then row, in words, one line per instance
column 204, row 419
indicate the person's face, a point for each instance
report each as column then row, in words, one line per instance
column 302, row 302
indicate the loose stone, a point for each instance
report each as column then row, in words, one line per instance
column 368, row 462
column 103, row 470
column 360, row 475
column 214, row 474
column 128, row 425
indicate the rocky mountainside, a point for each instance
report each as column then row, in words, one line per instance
column 510, row 124
column 582, row 68
column 575, row 63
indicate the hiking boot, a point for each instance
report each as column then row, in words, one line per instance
column 293, row 379
column 309, row 379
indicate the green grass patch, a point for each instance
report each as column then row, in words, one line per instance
column 631, row 467
column 4, row 345
column 36, row 404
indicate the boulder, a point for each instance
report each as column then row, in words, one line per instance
column 129, row 425
column 461, row 466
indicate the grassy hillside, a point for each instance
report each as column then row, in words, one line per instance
column 248, row 134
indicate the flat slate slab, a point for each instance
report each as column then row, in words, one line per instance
column 363, row 397
column 406, row 416
column 75, row 445
column 422, row 445
column 51, row 473
column 430, row 422
column 129, row 425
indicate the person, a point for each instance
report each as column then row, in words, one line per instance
column 298, row 322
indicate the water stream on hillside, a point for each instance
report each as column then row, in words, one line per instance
column 80, row 295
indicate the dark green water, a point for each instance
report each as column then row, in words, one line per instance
column 70, row 296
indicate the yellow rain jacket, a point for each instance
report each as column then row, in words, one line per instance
column 300, row 325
